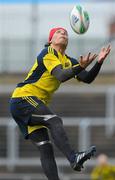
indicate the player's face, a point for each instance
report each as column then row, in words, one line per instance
column 60, row 37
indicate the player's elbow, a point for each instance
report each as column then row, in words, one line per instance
column 88, row 81
column 61, row 78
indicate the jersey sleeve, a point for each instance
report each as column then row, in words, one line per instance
column 74, row 64
column 74, row 61
column 50, row 61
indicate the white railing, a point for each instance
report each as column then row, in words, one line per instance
column 13, row 159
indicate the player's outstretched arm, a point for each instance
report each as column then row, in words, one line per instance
column 89, row 76
column 65, row 74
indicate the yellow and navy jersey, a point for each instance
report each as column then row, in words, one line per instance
column 106, row 172
column 39, row 81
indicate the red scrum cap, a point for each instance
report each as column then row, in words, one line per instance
column 53, row 30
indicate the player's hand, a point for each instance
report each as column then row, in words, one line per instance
column 103, row 54
column 86, row 60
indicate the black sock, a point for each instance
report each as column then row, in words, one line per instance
column 48, row 161
column 41, row 139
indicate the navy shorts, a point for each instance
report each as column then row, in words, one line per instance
column 30, row 114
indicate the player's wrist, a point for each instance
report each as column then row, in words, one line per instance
column 83, row 65
column 99, row 62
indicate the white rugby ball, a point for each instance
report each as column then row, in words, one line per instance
column 79, row 19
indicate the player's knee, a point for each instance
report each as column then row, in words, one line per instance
column 55, row 121
column 42, row 143
column 40, row 135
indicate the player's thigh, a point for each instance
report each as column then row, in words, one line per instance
column 40, row 115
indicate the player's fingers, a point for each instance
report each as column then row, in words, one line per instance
column 102, row 49
column 81, row 58
column 108, row 49
column 88, row 56
column 94, row 56
column 106, row 52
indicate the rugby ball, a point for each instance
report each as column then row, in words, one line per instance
column 79, row 19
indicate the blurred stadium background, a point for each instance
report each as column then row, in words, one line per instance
column 88, row 111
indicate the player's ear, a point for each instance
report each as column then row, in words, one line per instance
column 50, row 41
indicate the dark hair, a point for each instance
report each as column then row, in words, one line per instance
column 47, row 44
